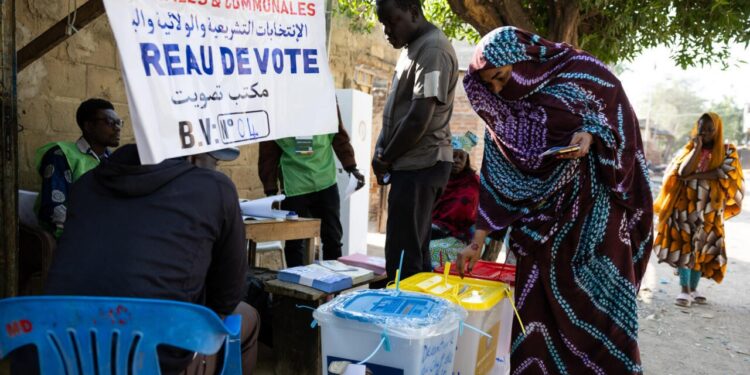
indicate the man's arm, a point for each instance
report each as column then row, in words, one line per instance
column 225, row 281
column 342, row 146
column 411, row 129
column 269, row 156
column 56, row 180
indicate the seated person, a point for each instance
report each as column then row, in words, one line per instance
column 455, row 211
column 169, row 231
column 62, row 163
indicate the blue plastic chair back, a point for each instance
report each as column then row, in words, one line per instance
column 110, row 335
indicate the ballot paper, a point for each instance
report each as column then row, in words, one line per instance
column 316, row 276
column 351, row 186
column 263, row 208
column 359, row 275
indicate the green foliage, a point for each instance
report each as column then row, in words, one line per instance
column 673, row 106
column 363, row 19
column 731, row 115
column 699, row 31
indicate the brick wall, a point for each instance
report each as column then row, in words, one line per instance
column 464, row 119
column 86, row 65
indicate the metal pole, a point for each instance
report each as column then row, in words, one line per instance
column 8, row 152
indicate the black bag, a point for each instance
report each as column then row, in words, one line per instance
column 258, row 298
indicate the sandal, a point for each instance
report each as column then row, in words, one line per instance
column 698, row 298
column 683, row 300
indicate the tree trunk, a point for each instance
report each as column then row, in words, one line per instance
column 487, row 15
column 564, row 20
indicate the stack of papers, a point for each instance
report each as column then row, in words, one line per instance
column 358, row 275
column 317, row 277
column 329, row 276
column 374, row 264
column 263, row 208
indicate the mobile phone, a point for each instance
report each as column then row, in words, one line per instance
column 560, row 150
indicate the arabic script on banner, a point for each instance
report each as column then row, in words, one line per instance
column 203, row 75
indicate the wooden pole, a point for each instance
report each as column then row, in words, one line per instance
column 8, row 152
column 58, row 33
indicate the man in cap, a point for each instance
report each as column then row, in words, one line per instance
column 170, row 231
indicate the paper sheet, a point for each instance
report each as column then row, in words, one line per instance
column 351, row 187
column 354, row 369
column 263, row 207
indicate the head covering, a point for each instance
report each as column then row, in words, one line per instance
column 718, row 151
column 555, row 91
column 225, row 154
column 464, row 142
column 664, row 203
column 584, row 222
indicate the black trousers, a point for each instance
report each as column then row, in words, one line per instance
column 410, row 202
column 324, row 205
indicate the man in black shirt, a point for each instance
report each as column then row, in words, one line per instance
column 172, row 231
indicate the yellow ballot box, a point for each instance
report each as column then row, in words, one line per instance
column 489, row 308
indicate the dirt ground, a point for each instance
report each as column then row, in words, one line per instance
column 701, row 339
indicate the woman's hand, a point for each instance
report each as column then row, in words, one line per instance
column 582, row 140
column 471, row 254
column 698, row 142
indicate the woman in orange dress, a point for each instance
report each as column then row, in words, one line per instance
column 702, row 188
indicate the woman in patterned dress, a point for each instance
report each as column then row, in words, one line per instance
column 702, row 188
column 580, row 224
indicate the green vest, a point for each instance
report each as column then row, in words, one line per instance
column 304, row 174
column 79, row 162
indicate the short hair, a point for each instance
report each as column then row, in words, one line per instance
column 404, row 4
column 88, row 107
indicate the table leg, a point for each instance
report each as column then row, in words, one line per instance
column 296, row 346
column 251, row 250
column 311, row 251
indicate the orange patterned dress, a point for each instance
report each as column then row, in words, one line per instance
column 690, row 232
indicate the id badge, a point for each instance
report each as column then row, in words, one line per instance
column 303, row 145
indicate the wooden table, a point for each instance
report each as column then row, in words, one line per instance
column 281, row 230
column 296, row 345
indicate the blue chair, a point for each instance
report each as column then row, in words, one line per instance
column 108, row 335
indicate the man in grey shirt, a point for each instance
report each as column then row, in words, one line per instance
column 413, row 152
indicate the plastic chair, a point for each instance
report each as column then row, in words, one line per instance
column 109, row 335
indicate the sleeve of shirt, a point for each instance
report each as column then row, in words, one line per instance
column 269, row 156
column 434, row 68
column 342, row 146
column 225, row 282
column 56, row 180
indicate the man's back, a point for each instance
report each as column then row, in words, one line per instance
column 169, row 231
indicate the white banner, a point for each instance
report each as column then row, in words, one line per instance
column 203, row 75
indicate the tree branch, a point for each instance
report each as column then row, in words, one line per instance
column 564, row 21
column 514, row 14
column 480, row 14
